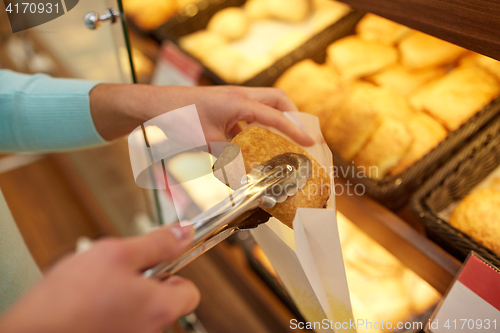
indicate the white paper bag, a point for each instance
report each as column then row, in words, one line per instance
column 308, row 259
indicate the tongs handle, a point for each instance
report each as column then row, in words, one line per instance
column 219, row 222
column 211, row 230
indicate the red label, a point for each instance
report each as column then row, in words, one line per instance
column 482, row 280
column 181, row 61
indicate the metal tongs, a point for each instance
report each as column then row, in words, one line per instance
column 270, row 183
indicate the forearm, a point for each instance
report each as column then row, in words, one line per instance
column 40, row 113
column 117, row 109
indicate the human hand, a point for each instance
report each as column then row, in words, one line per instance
column 103, row 289
column 118, row 109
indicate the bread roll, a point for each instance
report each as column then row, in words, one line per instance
column 150, row 14
column 478, row 215
column 259, row 145
column 457, row 96
column 224, row 61
column 385, row 149
column 384, row 101
column 326, row 13
column 289, row 42
column 350, row 127
column 249, row 68
column 307, row 84
column 427, row 133
column 231, row 22
column 489, row 64
column 419, row 50
column 201, row 42
column 289, row 10
column 378, row 29
column 354, row 57
column 403, row 80
column 256, row 9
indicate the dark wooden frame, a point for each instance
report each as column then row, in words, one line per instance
column 472, row 24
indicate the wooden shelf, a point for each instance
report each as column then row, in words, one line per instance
column 472, row 24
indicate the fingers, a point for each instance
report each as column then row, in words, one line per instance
column 275, row 98
column 178, row 298
column 271, row 117
column 183, row 296
column 163, row 244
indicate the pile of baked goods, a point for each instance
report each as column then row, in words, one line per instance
column 150, row 14
column 215, row 45
column 388, row 95
column 478, row 215
column 380, row 286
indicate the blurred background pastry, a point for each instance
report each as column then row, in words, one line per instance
column 379, row 29
column 354, row 57
column 478, row 215
column 230, row 22
column 420, row 50
column 289, row 10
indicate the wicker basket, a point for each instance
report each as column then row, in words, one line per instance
column 314, row 48
column 450, row 184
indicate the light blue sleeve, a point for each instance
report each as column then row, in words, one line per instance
column 41, row 113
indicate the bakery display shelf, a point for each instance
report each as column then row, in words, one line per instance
column 414, row 250
column 275, row 285
column 469, row 167
column 469, row 23
column 313, row 48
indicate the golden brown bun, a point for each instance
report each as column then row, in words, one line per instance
column 256, row 9
column 249, row 68
column 224, row 61
column 307, row 84
column 427, row 133
column 289, row 10
column 354, row 57
column 478, row 215
column 326, row 13
column 384, row 101
column 289, row 42
column 423, row 296
column 419, row 50
column 201, row 42
column 259, row 145
column 231, row 22
column 385, row 149
column 457, row 96
column 487, row 63
column 350, row 127
column 150, row 14
column 404, row 80
column 378, row 29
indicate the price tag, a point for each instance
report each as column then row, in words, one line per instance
column 25, row 14
column 174, row 67
column 472, row 304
